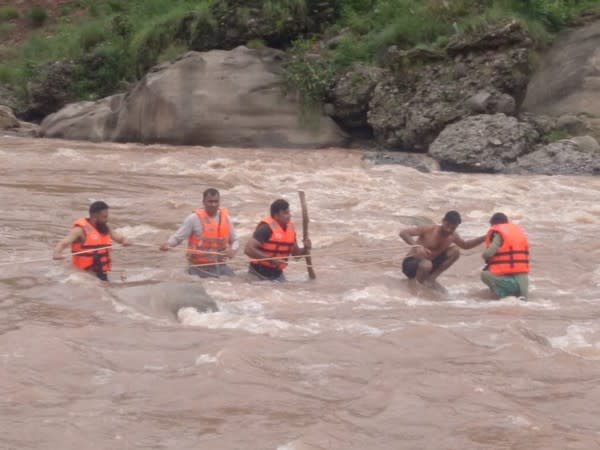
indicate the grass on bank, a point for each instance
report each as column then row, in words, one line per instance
column 127, row 37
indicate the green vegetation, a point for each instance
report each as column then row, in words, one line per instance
column 556, row 135
column 6, row 29
column 8, row 13
column 37, row 16
column 113, row 42
column 369, row 27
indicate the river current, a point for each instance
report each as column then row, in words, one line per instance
column 355, row 359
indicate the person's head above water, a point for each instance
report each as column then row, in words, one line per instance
column 498, row 218
column 450, row 222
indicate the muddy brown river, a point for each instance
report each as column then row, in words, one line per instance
column 352, row 360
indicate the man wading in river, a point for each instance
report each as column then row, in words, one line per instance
column 211, row 238
column 435, row 248
column 88, row 234
column 273, row 241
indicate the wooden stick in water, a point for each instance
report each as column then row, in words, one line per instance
column 309, row 266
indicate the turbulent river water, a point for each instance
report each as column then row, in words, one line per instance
column 355, row 359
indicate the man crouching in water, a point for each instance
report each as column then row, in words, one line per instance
column 435, row 248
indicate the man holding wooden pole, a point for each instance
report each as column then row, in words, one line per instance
column 273, row 241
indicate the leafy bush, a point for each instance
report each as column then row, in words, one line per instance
column 100, row 74
column 179, row 27
column 308, row 74
column 8, row 74
column 91, row 35
column 6, row 29
column 8, row 13
column 37, row 16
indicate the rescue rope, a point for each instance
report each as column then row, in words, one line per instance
column 235, row 260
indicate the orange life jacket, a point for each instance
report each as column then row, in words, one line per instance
column 98, row 261
column 279, row 245
column 214, row 239
column 513, row 255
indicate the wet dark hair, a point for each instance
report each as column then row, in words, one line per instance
column 453, row 217
column 279, row 205
column 498, row 218
column 97, row 207
column 210, row 191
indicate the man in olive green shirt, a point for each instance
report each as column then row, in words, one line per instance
column 503, row 285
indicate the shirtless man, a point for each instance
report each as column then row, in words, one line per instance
column 435, row 248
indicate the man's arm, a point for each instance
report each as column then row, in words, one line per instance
column 493, row 248
column 262, row 234
column 252, row 249
column 183, row 232
column 297, row 251
column 407, row 236
column 118, row 237
column 468, row 244
column 75, row 234
column 234, row 242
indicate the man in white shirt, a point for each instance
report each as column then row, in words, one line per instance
column 211, row 238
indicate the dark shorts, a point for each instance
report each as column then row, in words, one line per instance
column 265, row 273
column 411, row 264
column 101, row 275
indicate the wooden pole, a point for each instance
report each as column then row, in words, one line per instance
column 309, row 266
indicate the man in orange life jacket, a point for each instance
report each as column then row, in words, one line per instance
column 274, row 239
column 211, row 238
column 507, row 258
column 89, row 234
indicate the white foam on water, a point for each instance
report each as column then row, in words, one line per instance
column 297, row 445
column 66, row 152
column 141, row 274
column 205, row 358
column 102, row 377
column 582, row 340
column 151, row 368
column 225, row 320
column 135, row 231
column 519, row 421
column 476, row 324
column 374, row 295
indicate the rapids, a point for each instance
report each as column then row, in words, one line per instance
column 352, row 360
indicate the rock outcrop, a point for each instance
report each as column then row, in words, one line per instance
column 228, row 98
column 483, row 73
column 574, row 156
column 12, row 125
column 483, row 143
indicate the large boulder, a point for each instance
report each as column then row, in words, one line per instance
column 91, row 121
column 227, row 98
column 10, row 124
column 7, row 118
column 566, row 157
column 483, row 143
